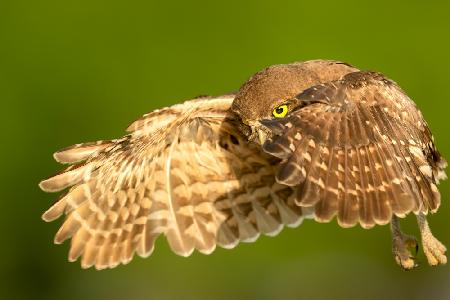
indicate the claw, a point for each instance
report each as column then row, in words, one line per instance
column 405, row 250
column 434, row 250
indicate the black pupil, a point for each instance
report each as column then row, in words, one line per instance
column 279, row 110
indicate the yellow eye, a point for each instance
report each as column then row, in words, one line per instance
column 280, row 111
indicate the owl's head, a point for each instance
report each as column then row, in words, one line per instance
column 270, row 93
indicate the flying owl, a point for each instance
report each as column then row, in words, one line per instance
column 317, row 139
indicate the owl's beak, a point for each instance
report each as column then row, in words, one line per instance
column 258, row 134
column 262, row 136
column 254, row 130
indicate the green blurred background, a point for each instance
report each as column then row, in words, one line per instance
column 74, row 71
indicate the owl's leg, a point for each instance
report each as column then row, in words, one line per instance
column 434, row 250
column 404, row 246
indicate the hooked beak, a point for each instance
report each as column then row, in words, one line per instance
column 259, row 133
column 255, row 131
column 262, row 136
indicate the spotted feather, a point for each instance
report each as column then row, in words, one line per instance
column 375, row 155
column 185, row 172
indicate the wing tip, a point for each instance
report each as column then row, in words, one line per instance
column 47, row 186
column 53, row 184
column 80, row 152
column 60, row 157
column 58, row 240
column 184, row 253
column 46, row 217
column 55, row 211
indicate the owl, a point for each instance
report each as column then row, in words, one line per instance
column 319, row 140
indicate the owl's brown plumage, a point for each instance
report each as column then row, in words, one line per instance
column 276, row 84
column 185, row 172
column 217, row 171
column 357, row 148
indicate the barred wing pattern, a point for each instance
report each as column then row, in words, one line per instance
column 185, row 172
column 357, row 148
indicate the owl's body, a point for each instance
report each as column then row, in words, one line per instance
column 221, row 170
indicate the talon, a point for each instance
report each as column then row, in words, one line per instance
column 406, row 264
column 434, row 250
column 405, row 251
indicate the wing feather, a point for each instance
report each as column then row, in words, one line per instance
column 376, row 154
column 185, row 172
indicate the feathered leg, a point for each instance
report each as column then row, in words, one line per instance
column 434, row 250
column 404, row 246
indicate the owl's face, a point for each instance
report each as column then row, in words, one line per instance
column 271, row 93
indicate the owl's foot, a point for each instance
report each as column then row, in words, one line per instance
column 405, row 251
column 404, row 247
column 434, row 250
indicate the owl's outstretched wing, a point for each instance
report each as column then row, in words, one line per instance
column 357, row 148
column 185, row 172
